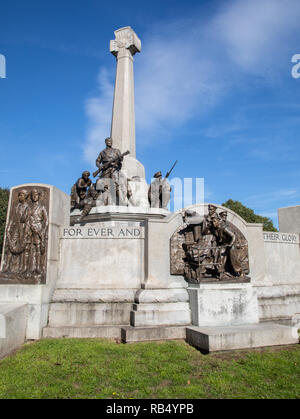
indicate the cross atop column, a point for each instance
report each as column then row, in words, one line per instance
column 125, row 38
column 123, row 48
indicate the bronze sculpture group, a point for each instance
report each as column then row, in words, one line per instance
column 26, row 236
column 209, row 248
column 204, row 249
column 112, row 186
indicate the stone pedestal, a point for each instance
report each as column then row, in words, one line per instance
column 223, row 304
column 213, row 339
column 38, row 296
column 13, row 322
column 103, row 279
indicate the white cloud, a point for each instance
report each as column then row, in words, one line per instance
column 257, row 34
column 98, row 110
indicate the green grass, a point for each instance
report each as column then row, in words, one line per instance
column 95, row 368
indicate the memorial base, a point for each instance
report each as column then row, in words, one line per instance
column 103, row 332
column 13, row 322
column 143, row 334
column 223, row 304
column 213, row 339
column 158, row 314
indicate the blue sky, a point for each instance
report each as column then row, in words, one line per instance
column 213, row 90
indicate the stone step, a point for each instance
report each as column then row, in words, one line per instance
column 107, row 332
column 157, row 314
column 181, row 306
column 89, row 314
column 143, row 334
column 212, row 339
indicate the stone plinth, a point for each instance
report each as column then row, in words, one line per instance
column 141, row 334
column 38, row 296
column 104, row 332
column 223, row 304
column 212, row 339
column 107, row 255
column 160, row 314
column 119, row 213
column 13, row 322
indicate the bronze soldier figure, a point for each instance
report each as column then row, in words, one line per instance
column 159, row 192
column 79, row 190
column 223, row 216
column 18, row 236
column 225, row 239
column 109, row 163
column 88, row 202
column 39, row 226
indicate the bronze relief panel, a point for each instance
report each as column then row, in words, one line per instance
column 26, row 237
column 209, row 248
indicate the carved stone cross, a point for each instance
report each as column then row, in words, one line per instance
column 125, row 38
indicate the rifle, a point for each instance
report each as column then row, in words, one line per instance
column 169, row 172
column 104, row 166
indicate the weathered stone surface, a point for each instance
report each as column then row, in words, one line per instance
column 106, row 332
column 279, row 303
column 160, row 314
column 222, row 304
column 162, row 296
column 89, row 314
column 112, row 263
column 282, row 261
column 212, row 339
column 140, row 334
column 65, row 295
column 289, row 219
column 13, row 322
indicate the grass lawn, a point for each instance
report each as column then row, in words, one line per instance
column 96, row 368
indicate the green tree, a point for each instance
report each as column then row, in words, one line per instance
column 249, row 215
column 4, row 194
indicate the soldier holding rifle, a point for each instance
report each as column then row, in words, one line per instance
column 160, row 190
column 109, row 163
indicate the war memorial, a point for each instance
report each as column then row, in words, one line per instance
column 111, row 261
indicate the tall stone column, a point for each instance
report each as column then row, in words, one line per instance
column 123, row 48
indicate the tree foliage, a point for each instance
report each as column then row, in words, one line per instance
column 4, row 195
column 249, row 215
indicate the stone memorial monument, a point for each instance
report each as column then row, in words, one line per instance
column 112, row 261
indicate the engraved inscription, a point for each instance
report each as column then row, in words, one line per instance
column 102, row 233
column 281, row 237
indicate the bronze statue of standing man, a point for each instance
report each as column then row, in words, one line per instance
column 38, row 221
column 109, row 163
column 159, row 192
